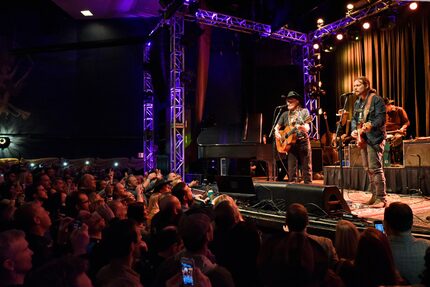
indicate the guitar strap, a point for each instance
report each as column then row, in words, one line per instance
column 367, row 107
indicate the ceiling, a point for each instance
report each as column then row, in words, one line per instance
column 298, row 15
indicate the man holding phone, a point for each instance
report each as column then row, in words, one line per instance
column 408, row 251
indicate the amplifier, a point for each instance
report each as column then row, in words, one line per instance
column 416, row 153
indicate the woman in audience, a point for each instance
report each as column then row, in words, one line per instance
column 374, row 264
column 346, row 240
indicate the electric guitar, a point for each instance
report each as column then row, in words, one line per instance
column 361, row 142
column 289, row 137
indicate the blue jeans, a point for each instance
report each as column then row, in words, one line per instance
column 372, row 157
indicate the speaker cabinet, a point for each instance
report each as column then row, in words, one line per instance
column 353, row 155
column 416, row 153
column 313, row 196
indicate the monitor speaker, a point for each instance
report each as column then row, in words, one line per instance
column 315, row 198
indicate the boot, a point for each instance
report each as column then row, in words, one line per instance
column 372, row 200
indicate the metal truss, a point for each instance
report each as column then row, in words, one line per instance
column 148, row 114
column 246, row 26
column 311, row 104
column 352, row 18
column 177, row 96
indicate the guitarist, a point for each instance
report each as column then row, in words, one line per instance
column 368, row 126
column 300, row 152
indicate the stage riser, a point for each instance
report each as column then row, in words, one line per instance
column 399, row 180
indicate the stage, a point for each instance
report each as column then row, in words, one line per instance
column 267, row 210
column 404, row 180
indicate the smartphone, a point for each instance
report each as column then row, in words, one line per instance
column 187, row 266
column 379, row 225
column 76, row 224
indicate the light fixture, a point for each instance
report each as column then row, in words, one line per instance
column 366, row 25
column 65, row 163
column 115, row 164
column 32, row 164
column 316, row 46
column 413, row 6
column 87, row 162
column 87, row 13
column 349, row 7
column 339, row 36
column 4, row 142
column 320, row 22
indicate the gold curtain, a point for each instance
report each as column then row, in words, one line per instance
column 397, row 63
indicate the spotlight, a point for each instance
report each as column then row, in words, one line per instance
column 4, row 142
column 320, row 22
column 115, row 164
column 32, row 164
column 87, row 162
column 413, row 6
column 366, row 25
column 339, row 36
column 328, row 44
column 349, row 7
column 65, row 163
column 316, row 46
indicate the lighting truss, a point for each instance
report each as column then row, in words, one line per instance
column 246, row 26
column 177, row 96
column 148, row 114
column 352, row 18
column 308, row 79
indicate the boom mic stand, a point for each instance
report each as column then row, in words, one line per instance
column 275, row 121
column 340, row 146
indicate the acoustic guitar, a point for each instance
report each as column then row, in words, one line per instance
column 289, row 137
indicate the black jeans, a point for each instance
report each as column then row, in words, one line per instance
column 300, row 152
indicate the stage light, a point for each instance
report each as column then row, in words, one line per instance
column 65, row 163
column 86, row 13
column 316, row 46
column 349, row 7
column 32, row 164
column 115, row 164
column 87, row 162
column 327, row 44
column 339, row 36
column 320, row 22
column 413, row 6
column 366, row 25
column 4, row 142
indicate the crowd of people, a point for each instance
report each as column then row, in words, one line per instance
column 109, row 228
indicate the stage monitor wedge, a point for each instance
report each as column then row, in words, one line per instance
column 314, row 197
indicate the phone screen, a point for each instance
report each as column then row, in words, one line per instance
column 187, row 265
column 380, row 226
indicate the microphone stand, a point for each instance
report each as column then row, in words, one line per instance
column 274, row 123
column 340, row 146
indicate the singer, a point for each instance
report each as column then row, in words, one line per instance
column 296, row 120
column 368, row 127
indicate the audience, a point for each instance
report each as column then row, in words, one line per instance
column 55, row 234
column 374, row 264
column 15, row 258
column 408, row 251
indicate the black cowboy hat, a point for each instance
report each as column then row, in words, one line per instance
column 294, row 95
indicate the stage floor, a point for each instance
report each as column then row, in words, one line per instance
column 356, row 199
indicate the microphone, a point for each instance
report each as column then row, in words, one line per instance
column 347, row 94
column 280, row 107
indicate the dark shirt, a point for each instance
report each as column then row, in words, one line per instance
column 376, row 116
column 299, row 117
column 396, row 119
